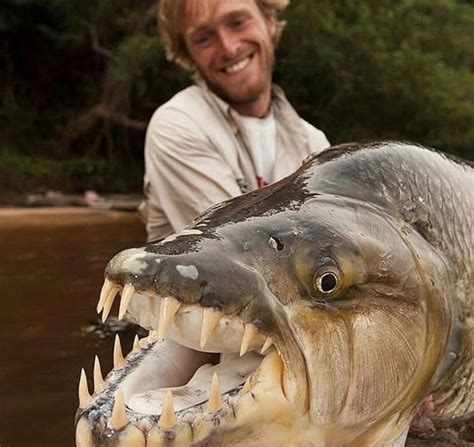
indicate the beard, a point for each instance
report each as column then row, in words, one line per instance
column 246, row 95
column 248, row 92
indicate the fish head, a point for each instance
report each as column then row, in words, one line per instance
column 337, row 287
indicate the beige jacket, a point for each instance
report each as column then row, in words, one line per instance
column 197, row 156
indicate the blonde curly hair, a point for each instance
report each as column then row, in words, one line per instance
column 170, row 13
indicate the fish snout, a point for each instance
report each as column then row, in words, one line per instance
column 211, row 279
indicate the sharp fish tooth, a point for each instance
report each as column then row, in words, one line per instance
column 136, row 344
column 84, row 396
column 84, row 433
column 210, row 318
column 108, row 289
column 168, row 309
column 127, row 294
column 249, row 332
column 246, row 387
column 118, row 353
column 109, row 301
column 99, row 383
column 168, row 418
column 119, row 417
column 266, row 346
column 270, row 371
column 215, row 398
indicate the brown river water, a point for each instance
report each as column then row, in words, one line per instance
column 51, row 272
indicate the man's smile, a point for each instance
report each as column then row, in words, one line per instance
column 238, row 66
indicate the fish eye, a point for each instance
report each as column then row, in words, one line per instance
column 327, row 280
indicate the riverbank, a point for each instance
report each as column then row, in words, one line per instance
column 54, row 217
column 89, row 199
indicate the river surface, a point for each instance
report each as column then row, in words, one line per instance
column 51, row 272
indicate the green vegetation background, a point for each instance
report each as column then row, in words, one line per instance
column 80, row 79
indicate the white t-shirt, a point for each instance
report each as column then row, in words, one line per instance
column 261, row 134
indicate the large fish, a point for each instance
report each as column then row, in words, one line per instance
column 323, row 310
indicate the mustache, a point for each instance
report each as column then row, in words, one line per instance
column 225, row 61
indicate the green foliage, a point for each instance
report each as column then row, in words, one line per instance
column 80, row 79
column 20, row 173
column 383, row 70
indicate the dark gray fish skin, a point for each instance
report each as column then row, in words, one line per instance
column 427, row 190
column 400, row 213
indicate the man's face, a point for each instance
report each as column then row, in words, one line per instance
column 230, row 42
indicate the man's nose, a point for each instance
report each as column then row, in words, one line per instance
column 229, row 43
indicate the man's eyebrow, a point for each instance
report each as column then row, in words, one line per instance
column 204, row 26
column 196, row 29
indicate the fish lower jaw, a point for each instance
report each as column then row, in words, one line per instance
column 181, row 415
column 177, row 389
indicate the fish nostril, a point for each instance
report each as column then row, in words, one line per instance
column 276, row 243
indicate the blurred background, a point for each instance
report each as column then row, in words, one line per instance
column 80, row 79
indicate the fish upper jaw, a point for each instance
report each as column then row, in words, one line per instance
column 245, row 337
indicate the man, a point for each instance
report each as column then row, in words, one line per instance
column 233, row 131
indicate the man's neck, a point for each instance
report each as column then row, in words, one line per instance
column 256, row 109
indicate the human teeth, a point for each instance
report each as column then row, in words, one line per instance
column 118, row 353
column 127, row 294
column 136, row 344
column 210, row 318
column 215, row 398
column 99, row 383
column 119, row 417
column 84, row 396
column 249, row 333
column 266, row 346
column 107, row 289
column 237, row 67
column 168, row 309
column 168, row 418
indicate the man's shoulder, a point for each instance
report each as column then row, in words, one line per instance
column 316, row 138
column 190, row 107
column 186, row 101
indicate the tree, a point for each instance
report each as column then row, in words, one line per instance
column 377, row 69
column 80, row 79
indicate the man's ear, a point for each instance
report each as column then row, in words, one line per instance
column 271, row 26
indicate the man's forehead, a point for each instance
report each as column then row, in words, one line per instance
column 199, row 13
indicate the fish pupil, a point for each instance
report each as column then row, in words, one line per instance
column 328, row 282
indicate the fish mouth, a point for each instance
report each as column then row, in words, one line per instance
column 199, row 371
